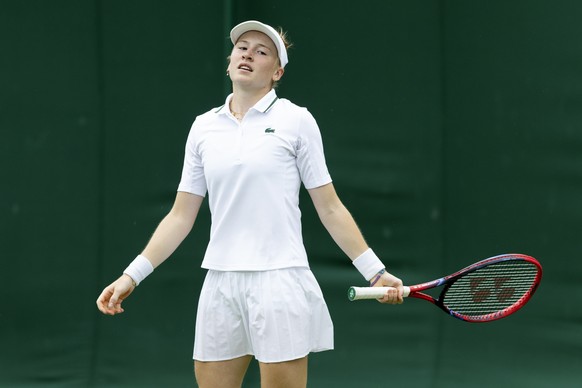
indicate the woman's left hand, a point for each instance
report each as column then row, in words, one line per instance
column 393, row 296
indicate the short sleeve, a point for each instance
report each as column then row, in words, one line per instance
column 193, row 180
column 310, row 155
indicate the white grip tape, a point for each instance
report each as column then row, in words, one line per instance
column 357, row 293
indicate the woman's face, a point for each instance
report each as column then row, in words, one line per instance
column 254, row 61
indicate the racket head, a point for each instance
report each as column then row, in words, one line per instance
column 490, row 289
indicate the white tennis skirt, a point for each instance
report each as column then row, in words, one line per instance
column 276, row 316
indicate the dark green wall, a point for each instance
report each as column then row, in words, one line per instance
column 453, row 131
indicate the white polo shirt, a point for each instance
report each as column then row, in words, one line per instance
column 253, row 171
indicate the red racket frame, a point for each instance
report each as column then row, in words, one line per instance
column 447, row 281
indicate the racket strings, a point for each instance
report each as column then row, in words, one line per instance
column 491, row 289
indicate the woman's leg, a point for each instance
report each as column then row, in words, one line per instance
column 221, row 374
column 288, row 374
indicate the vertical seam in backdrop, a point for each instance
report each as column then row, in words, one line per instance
column 227, row 21
column 101, row 142
column 439, row 327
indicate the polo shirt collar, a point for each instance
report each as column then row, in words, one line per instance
column 263, row 105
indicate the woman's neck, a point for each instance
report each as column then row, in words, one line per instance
column 242, row 100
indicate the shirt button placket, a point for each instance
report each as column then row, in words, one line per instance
column 240, row 138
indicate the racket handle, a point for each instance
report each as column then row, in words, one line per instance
column 356, row 293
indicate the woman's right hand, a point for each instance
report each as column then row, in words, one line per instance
column 109, row 302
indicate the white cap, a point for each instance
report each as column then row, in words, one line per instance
column 253, row 25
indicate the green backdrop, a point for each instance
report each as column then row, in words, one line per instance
column 453, row 132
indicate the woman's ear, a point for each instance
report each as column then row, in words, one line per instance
column 278, row 74
column 227, row 66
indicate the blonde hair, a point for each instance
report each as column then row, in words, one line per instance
column 288, row 45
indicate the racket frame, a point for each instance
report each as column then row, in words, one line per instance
column 415, row 291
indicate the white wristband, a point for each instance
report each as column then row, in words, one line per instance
column 139, row 269
column 368, row 264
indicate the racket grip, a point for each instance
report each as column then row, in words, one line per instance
column 357, row 293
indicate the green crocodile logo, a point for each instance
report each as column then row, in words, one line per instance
column 269, row 130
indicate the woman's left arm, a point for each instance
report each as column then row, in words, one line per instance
column 342, row 227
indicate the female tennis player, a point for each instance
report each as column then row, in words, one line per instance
column 250, row 156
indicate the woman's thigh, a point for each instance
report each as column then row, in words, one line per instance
column 224, row 374
column 288, row 374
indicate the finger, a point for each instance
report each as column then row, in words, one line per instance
column 118, row 308
column 113, row 301
column 400, row 294
column 394, row 297
column 391, row 297
column 102, row 302
column 114, row 304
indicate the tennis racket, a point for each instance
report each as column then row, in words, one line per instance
column 488, row 290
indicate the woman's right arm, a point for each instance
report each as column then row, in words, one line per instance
column 174, row 228
column 167, row 237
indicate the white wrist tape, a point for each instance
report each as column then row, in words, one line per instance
column 139, row 269
column 368, row 264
